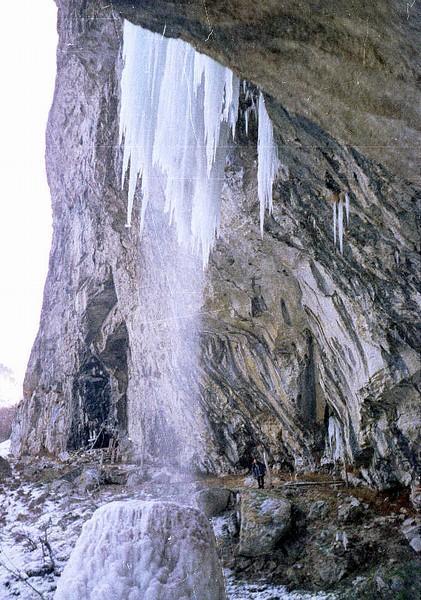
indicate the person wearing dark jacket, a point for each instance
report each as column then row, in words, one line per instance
column 258, row 470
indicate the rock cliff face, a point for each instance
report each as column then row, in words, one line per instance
column 304, row 352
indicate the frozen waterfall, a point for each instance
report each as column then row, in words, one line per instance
column 178, row 111
column 151, row 550
column 178, row 108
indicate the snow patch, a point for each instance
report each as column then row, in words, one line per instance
column 268, row 506
column 5, row 448
column 241, row 590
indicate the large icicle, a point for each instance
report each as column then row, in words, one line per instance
column 341, row 225
column 177, row 108
column 347, row 207
column 268, row 162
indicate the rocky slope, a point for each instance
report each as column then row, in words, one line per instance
column 305, row 353
column 311, row 534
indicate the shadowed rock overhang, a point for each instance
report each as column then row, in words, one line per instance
column 350, row 66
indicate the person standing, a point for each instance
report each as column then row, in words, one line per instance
column 258, row 470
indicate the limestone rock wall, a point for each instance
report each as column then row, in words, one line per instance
column 295, row 339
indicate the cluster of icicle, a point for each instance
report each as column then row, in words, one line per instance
column 178, row 108
column 338, row 219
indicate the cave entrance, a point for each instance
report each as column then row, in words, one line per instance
column 93, row 422
column 99, row 398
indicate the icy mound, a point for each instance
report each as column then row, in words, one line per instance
column 148, row 550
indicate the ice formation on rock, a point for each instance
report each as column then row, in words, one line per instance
column 347, row 207
column 177, row 109
column 341, row 225
column 268, row 162
column 150, row 550
column 338, row 219
column 336, row 447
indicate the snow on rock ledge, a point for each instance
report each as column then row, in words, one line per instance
column 149, row 550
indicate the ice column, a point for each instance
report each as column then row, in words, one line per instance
column 268, row 162
column 338, row 219
column 341, row 225
column 131, row 550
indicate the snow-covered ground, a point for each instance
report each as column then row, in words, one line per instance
column 259, row 590
column 237, row 590
column 4, row 448
column 41, row 521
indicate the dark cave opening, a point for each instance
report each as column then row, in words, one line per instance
column 91, row 424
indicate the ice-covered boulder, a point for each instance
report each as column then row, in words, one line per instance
column 264, row 521
column 213, row 501
column 90, row 479
column 150, row 550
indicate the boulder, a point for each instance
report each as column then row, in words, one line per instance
column 5, row 469
column 415, row 543
column 90, row 479
column 115, row 475
column 318, row 510
column 150, row 550
column 411, row 529
column 265, row 518
column 213, row 501
column 351, row 510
